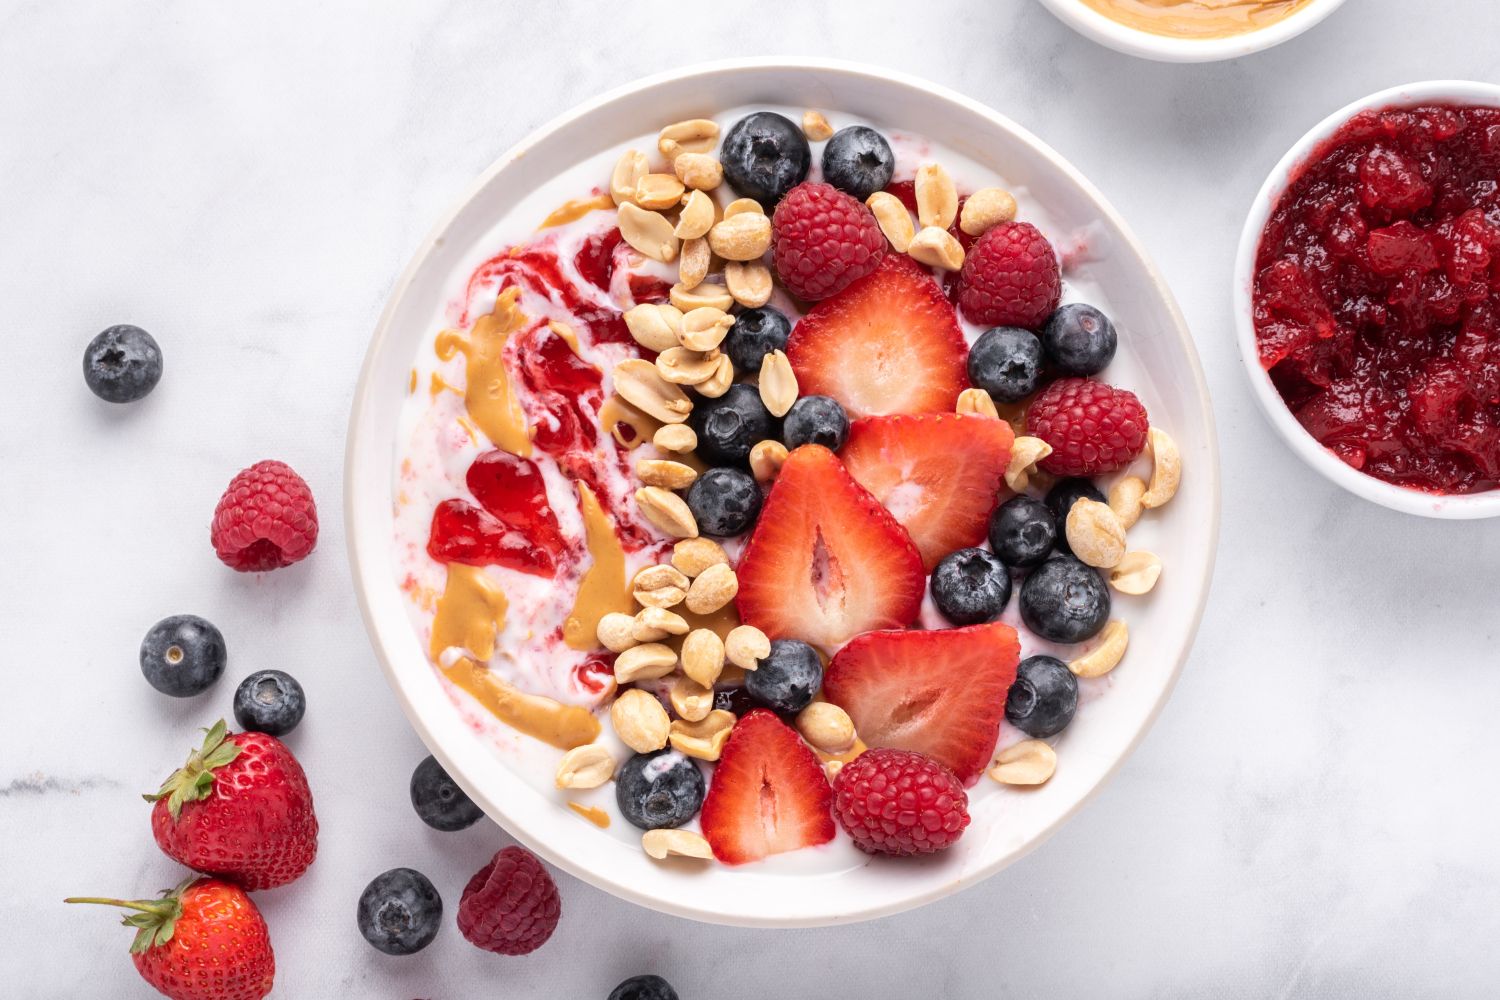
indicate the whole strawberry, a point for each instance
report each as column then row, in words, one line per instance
column 203, row 940
column 240, row 807
column 266, row 519
column 511, row 905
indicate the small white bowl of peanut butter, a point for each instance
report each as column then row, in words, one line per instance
column 1191, row 30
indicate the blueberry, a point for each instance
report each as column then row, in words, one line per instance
column 765, row 155
column 1061, row 498
column 1064, row 601
column 724, row 502
column 658, row 790
column 970, row 586
column 1006, row 362
column 122, row 364
column 1022, row 531
column 182, row 655
column 734, row 699
column 756, row 333
column 400, row 912
column 269, row 701
column 439, row 801
column 728, row 427
column 786, row 680
column 643, row 988
column 815, row 420
column 1079, row 339
column 859, row 161
column 1044, row 697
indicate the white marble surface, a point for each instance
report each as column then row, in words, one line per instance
column 1314, row 815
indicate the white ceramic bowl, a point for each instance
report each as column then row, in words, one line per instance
column 1304, row 444
column 1164, row 48
column 1163, row 368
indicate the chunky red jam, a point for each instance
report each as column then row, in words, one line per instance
column 1377, row 296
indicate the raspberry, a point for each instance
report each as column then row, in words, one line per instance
column 266, row 519
column 899, row 802
column 510, row 906
column 1092, row 427
column 1010, row 277
column 823, row 241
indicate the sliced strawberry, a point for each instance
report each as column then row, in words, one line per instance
column 826, row 561
column 939, row 474
column 889, row 343
column 941, row 693
column 769, row 794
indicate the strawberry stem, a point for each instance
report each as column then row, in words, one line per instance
column 195, row 779
column 154, row 920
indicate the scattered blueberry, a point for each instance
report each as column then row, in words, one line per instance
column 643, row 988
column 182, row 655
column 400, row 912
column 786, row 680
column 269, row 701
column 439, row 801
column 970, row 586
column 1064, row 601
column 1061, row 498
column 765, row 155
column 724, row 502
column 734, row 699
column 756, row 333
column 1022, row 531
column 122, row 364
column 1079, row 339
column 1044, row 697
column 728, row 427
column 1006, row 362
column 859, row 161
column 658, row 790
column 815, row 420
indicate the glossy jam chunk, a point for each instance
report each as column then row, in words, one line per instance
column 463, row 533
column 512, row 490
column 1377, row 296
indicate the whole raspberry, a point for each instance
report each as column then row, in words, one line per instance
column 511, row 905
column 823, row 241
column 1092, row 427
column 266, row 519
column 1010, row 277
column 899, row 802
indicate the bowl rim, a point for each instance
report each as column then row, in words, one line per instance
column 357, row 509
column 1166, row 48
column 1399, row 498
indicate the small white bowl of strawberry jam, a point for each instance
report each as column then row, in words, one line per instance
column 1368, row 298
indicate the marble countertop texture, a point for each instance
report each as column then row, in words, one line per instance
column 1314, row 815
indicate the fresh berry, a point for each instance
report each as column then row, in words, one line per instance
column 122, row 364
column 269, row 701
column 822, row 241
column 399, row 912
column 1061, row 498
column 734, row 699
column 659, row 790
column 939, row 693
column 511, row 906
column 438, row 800
column 1006, row 362
column 643, row 988
column 815, row 420
column 1079, row 339
column 901, row 803
column 826, row 561
column 183, row 655
column 724, row 502
column 1044, row 697
column 887, row 344
column 266, row 519
column 970, row 586
column 1023, row 531
column 858, row 161
column 729, row 426
column 769, row 793
column 765, row 155
column 1062, row 600
column 756, row 333
column 937, row 473
column 1010, row 277
column 1092, row 427
column 786, row 680
column 239, row 808
column 204, row 940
